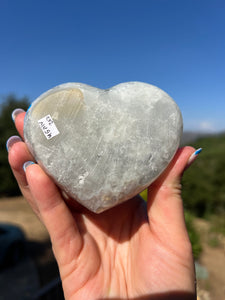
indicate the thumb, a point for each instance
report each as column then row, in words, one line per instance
column 165, row 207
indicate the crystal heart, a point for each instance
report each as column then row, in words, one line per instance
column 103, row 147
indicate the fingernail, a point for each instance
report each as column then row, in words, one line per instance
column 193, row 157
column 27, row 164
column 11, row 141
column 16, row 112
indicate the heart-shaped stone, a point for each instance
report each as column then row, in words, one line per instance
column 103, row 147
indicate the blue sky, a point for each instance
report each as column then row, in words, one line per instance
column 176, row 45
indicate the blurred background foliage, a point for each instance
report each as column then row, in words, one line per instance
column 203, row 183
column 8, row 186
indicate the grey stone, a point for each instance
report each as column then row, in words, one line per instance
column 103, row 147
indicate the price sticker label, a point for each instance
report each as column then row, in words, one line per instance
column 48, row 127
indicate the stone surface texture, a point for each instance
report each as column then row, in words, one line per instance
column 103, row 147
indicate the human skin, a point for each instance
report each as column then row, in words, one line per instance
column 132, row 251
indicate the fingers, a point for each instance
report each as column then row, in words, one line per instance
column 55, row 214
column 165, row 207
column 41, row 193
column 18, row 154
column 18, row 117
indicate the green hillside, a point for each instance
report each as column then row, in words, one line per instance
column 204, row 181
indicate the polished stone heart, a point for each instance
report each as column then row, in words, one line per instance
column 103, row 147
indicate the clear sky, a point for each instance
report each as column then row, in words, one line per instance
column 177, row 45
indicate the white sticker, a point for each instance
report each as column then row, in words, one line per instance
column 48, row 127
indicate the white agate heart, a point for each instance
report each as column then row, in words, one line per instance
column 103, row 147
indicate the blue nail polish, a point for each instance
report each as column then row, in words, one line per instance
column 16, row 112
column 11, row 141
column 198, row 151
column 193, row 157
column 27, row 164
column 29, row 107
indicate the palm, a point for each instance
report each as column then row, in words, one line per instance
column 109, row 251
column 131, row 250
column 121, row 256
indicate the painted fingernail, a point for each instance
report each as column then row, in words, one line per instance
column 27, row 164
column 193, row 157
column 16, row 112
column 11, row 141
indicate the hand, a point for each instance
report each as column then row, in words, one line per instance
column 132, row 251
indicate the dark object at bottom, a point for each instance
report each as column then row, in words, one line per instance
column 12, row 245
